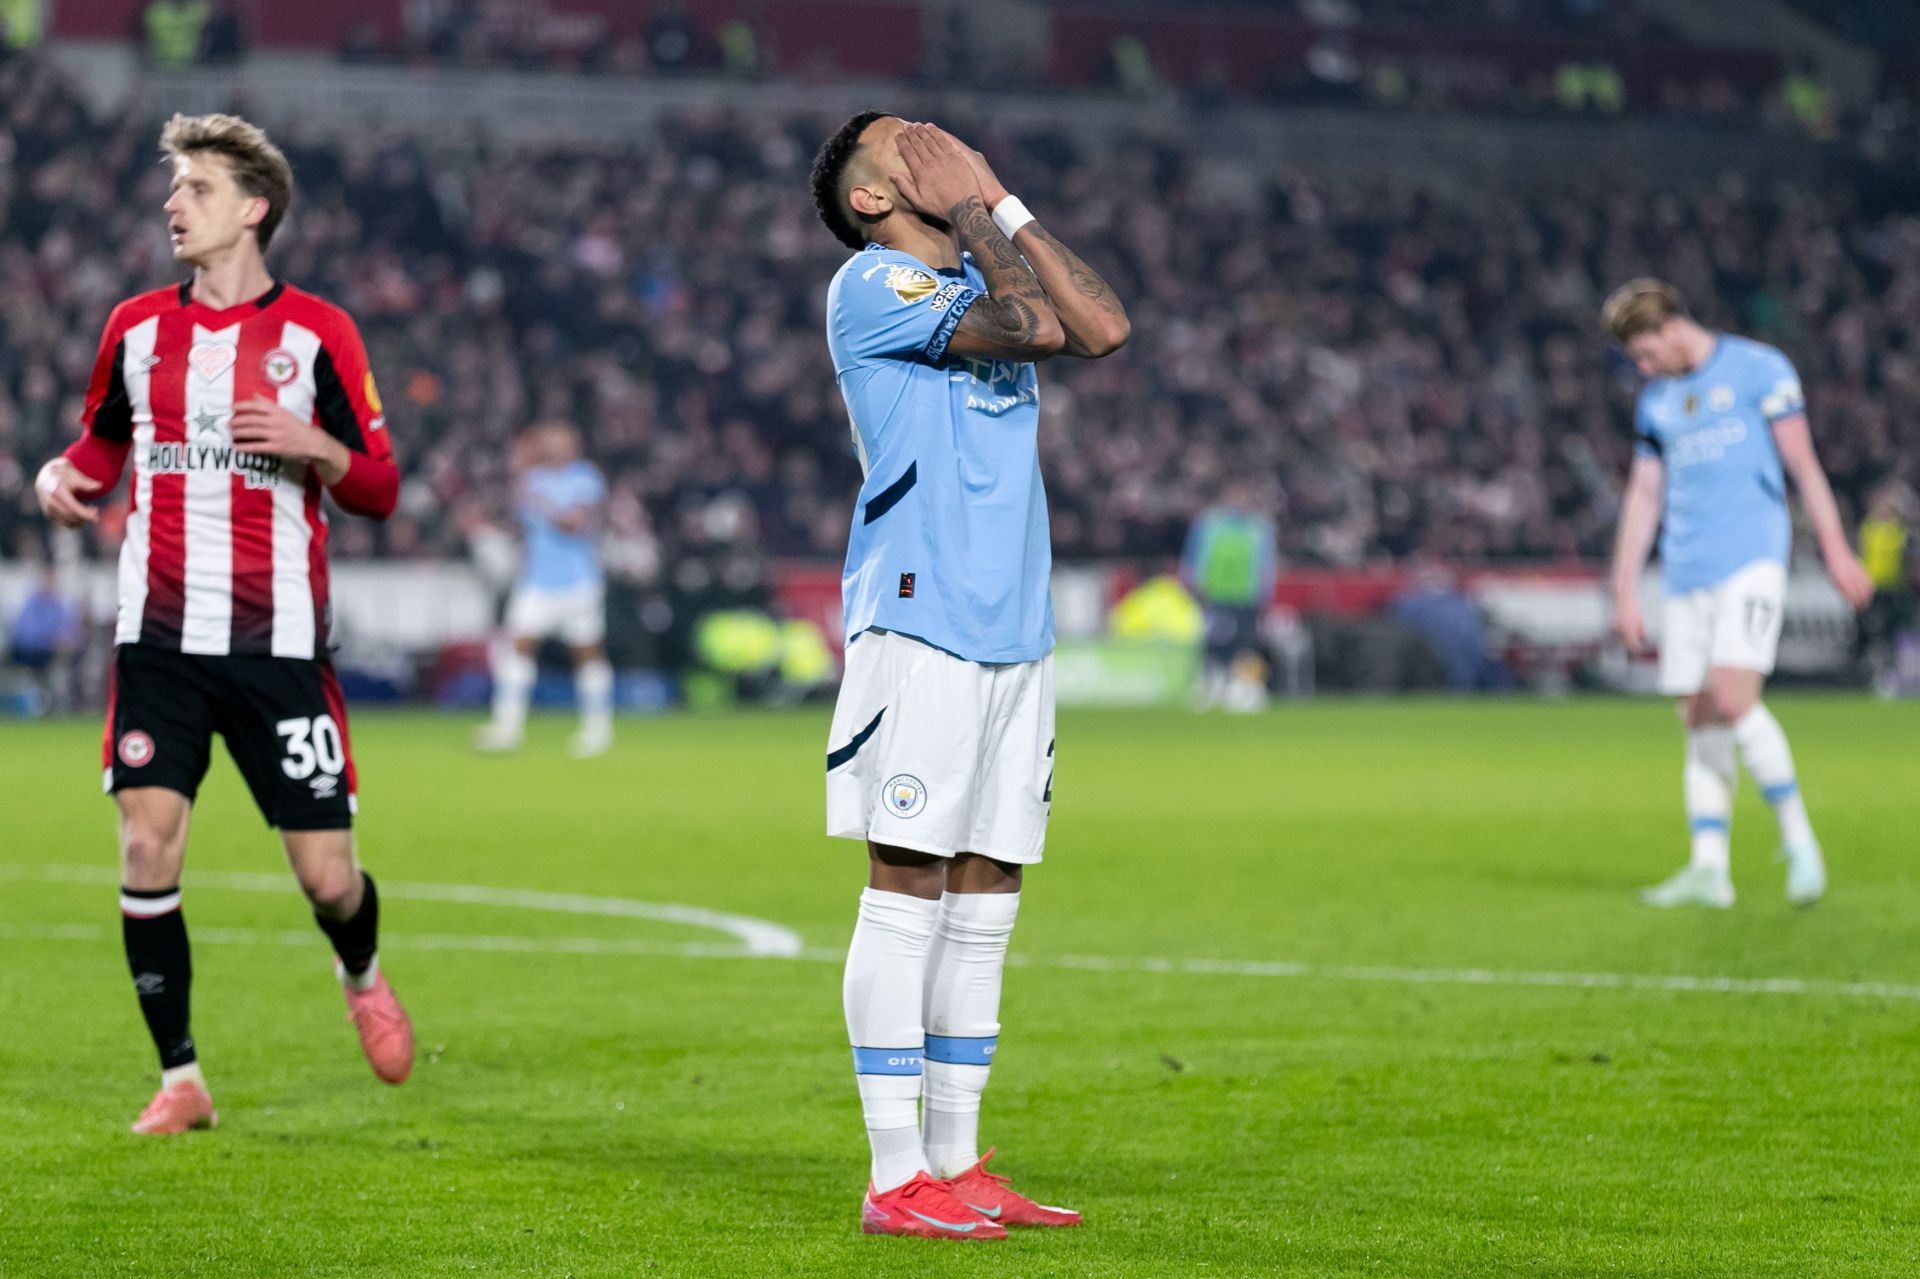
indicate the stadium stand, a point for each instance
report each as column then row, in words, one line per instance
column 1409, row 371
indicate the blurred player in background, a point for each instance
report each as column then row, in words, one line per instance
column 1887, row 550
column 240, row 401
column 1229, row 564
column 1719, row 419
column 561, row 592
column 941, row 752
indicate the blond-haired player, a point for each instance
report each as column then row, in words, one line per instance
column 1720, row 423
column 239, row 401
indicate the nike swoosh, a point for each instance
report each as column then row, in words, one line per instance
column 966, row 1229
column 991, row 1214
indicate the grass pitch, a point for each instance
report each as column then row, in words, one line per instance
column 1345, row 989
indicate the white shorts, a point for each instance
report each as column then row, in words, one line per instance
column 576, row 615
column 1735, row 623
column 940, row 755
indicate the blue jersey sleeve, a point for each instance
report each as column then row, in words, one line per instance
column 889, row 305
column 1646, row 440
column 1197, row 535
column 1779, row 390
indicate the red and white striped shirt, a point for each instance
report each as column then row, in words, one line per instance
column 226, row 551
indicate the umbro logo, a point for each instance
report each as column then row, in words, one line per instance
column 324, row 786
column 150, row 983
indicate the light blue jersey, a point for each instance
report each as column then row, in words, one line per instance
column 950, row 541
column 555, row 559
column 1726, row 497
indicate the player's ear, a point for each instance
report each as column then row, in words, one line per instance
column 870, row 201
column 256, row 212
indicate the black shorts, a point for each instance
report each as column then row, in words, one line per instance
column 283, row 719
column 1232, row 629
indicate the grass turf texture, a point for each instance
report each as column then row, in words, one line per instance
column 640, row 1114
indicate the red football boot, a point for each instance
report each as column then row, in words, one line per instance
column 926, row 1209
column 176, row 1109
column 386, row 1034
column 988, row 1194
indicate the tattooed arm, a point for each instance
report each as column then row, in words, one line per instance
column 1013, row 320
column 1095, row 322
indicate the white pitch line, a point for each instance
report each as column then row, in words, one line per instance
column 1388, row 975
column 472, row 943
column 756, row 936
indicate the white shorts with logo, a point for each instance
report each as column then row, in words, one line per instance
column 576, row 615
column 940, row 755
column 1735, row 623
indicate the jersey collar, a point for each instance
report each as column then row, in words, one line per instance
column 228, row 315
column 951, row 272
column 1699, row 370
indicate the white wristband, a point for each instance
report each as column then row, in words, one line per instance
column 1010, row 215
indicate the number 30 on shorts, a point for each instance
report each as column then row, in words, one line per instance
column 312, row 744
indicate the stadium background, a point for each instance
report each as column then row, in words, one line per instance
column 1369, row 241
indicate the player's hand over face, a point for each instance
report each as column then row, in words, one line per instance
column 939, row 175
column 1629, row 623
column 1850, row 578
column 991, row 188
column 61, row 488
column 263, row 426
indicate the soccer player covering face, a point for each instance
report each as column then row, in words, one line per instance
column 561, row 592
column 1718, row 422
column 239, row 401
column 941, row 752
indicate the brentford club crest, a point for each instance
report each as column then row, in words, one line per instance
column 136, row 748
column 280, row 367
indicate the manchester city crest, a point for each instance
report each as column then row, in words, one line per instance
column 904, row 794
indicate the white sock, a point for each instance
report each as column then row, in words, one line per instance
column 179, row 1074
column 1709, row 783
column 1763, row 745
column 593, row 683
column 882, row 992
column 513, row 676
column 364, row 981
column 964, row 971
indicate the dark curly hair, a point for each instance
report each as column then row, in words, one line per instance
column 829, row 168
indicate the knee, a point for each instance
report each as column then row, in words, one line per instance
column 1730, row 705
column 899, row 870
column 1716, row 708
column 334, row 889
column 147, row 855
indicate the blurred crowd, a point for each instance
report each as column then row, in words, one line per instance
column 1401, row 374
column 1508, row 57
